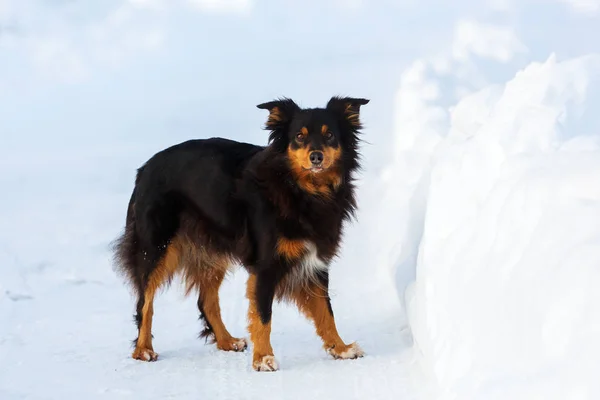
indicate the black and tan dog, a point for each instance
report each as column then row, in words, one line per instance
column 202, row 206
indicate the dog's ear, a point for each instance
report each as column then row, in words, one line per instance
column 281, row 113
column 347, row 109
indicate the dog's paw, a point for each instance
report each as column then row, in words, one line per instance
column 232, row 344
column 144, row 354
column 349, row 352
column 265, row 363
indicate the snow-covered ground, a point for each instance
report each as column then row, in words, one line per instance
column 471, row 273
column 67, row 321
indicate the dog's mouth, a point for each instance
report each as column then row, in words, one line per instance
column 315, row 169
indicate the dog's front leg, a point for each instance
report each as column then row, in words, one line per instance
column 260, row 293
column 313, row 300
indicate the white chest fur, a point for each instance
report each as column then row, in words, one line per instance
column 308, row 267
column 311, row 262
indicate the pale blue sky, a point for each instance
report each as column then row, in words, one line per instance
column 74, row 75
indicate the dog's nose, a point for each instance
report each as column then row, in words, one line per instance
column 316, row 157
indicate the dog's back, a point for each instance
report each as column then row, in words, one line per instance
column 195, row 178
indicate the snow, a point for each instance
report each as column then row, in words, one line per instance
column 471, row 273
column 504, row 302
column 66, row 318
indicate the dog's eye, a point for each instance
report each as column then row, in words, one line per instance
column 299, row 136
column 328, row 135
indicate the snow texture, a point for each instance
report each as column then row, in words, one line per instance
column 66, row 318
column 506, row 293
column 480, row 195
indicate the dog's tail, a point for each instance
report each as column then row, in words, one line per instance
column 125, row 247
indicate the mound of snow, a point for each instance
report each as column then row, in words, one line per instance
column 506, row 302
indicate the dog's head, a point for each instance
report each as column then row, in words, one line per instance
column 320, row 144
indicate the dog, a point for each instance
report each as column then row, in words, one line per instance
column 202, row 206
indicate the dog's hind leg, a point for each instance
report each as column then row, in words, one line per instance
column 206, row 275
column 161, row 273
column 208, row 305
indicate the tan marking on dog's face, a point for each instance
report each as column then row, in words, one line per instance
column 316, row 183
column 332, row 177
column 300, row 158
column 331, row 155
column 299, row 153
column 324, row 178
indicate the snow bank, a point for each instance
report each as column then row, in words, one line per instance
column 506, row 302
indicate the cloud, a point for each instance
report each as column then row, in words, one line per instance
column 589, row 7
column 122, row 34
column 220, row 6
column 152, row 4
column 8, row 24
column 350, row 4
column 498, row 43
column 4, row 8
column 56, row 58
column 69, row 41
